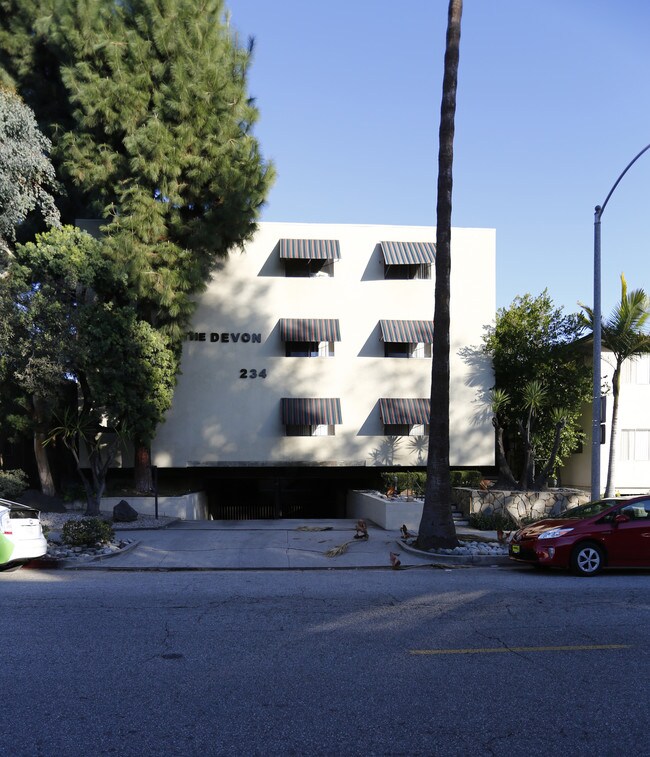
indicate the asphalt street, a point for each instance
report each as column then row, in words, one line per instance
column 424, row 661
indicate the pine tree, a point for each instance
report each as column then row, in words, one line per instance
column 156, row 136
column 27, row 180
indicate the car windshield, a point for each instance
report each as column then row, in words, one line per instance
column 588, row 510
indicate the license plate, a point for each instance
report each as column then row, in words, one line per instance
column 515, row 549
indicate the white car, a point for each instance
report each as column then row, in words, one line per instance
column 21, row 535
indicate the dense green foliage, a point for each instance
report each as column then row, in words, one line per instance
column 494, row 521
column 469, row 478
column 27, row 180
column 12, row 483
column 540, row 370
column 405, row 481
column 147, row 108
column 87, row 532
column 69, row 327
column 153, row 129
column 415, row 481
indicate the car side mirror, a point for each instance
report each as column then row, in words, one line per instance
column 621, row 518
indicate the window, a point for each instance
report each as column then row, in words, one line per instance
column 320, row 429
column 408, row 271
column 636, row 370
column 635, row 444
column 308, row 268
column 406, row 429
column 397, row 349
column 310, row 349
column 421, row 350
column 309, row 337
column 407, row 338
column 407, row 260
column 406, row 349
column 309, row 257
column 396, row 429
column 312, row 416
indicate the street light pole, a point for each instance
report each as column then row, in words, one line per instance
column 597, row 379
column 597, row 351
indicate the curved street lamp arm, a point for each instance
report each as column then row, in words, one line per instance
column 600, row 208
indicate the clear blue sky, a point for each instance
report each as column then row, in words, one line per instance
column 553, row 103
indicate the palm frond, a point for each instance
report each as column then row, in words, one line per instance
column 336, row 551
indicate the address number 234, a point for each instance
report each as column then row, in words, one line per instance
column 252, row 373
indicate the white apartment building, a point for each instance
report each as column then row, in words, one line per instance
column 308, row 366
column 632, row 471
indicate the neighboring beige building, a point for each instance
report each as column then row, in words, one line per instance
column 308, row 366
column 632, row 471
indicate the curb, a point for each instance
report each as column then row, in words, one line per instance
column 53, row 563
column 153, row 528
column 452, row 560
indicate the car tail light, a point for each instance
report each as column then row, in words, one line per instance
column 5, row 525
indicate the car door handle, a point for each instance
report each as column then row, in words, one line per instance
column 647, row 535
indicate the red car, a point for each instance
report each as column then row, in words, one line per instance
column 613, row 533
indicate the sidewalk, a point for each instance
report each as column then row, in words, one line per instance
column 271, row 545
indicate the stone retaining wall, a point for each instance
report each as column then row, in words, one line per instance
column 519, row 505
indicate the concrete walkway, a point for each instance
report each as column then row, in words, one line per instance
column 266, row 545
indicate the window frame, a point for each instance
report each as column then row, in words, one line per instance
column 310, row 430
column 407, row 271
column 406, row 429
column 308, row 268
column 322, row 349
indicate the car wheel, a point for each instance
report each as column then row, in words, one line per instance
column 587, row 559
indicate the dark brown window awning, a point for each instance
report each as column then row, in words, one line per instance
column 408, row 253
column 311, row 411
column 411, row 411
column 310, row 249
column 413, row 332
column 310, row 330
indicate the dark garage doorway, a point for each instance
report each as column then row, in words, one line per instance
column 287, row 495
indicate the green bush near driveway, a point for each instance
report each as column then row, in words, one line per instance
column 86, row 532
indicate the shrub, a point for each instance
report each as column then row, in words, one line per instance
column 411, row 481
column 472, row 478
column 492, row 521
column 86, row 532
column 456, row 477
column 12, row 483
column 469, row 478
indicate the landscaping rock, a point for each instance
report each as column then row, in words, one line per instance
column 124, row 513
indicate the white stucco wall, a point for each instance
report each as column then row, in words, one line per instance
column 218, row 418
column 631, row 476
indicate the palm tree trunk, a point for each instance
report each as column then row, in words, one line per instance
column 437, row 524
column 610, row 488
column 506, row 478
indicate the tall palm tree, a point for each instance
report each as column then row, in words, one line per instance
column 625, row 334
column 437, row 525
